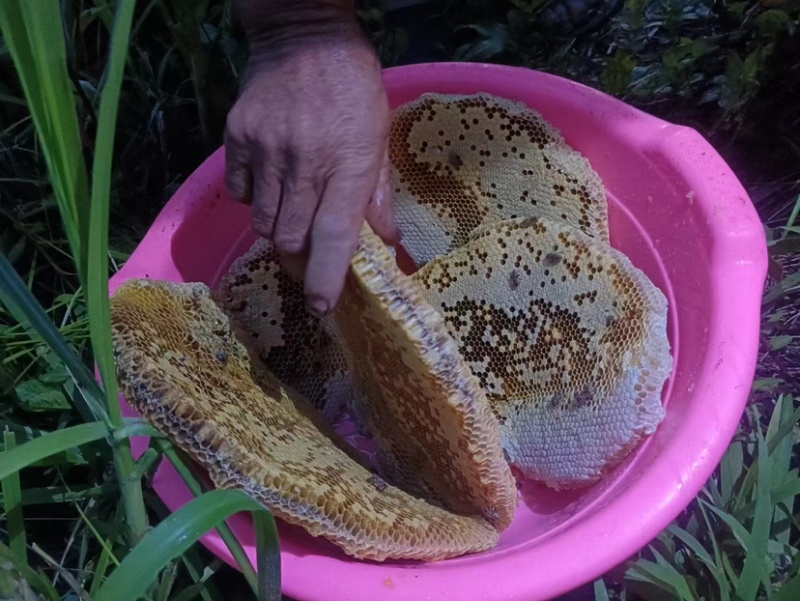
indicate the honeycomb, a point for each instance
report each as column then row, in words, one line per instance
column 565, row 335
column 266, row 307
column 433, row 427
column 181, row 366
column 460, row 162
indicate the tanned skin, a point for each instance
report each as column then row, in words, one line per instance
column 306, row 141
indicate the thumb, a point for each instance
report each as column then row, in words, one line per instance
column 379, row 210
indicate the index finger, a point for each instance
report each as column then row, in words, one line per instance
column 334, row 237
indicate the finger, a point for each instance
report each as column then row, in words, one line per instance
column 379, row 211
column 238, row 177
column 294, row 265
column 299, row 199
column 266, row 203
column 334, row 237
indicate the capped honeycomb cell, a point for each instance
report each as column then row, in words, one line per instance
column 566, row 336
column 180, row 365
column 430, row 419
column 268, row 313
column 461, row 162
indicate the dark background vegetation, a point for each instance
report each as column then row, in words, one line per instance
column 729, row 69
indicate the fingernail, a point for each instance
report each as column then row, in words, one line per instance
column 318, row 307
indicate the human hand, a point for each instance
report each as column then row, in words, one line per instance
column 306, row 146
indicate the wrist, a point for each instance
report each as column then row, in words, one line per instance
column 277, row 27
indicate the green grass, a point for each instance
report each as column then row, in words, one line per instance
column 104, row 112
column 33, row 34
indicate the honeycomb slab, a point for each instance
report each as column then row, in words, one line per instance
column 566, row 336
column 461, row 162
column 183, row 369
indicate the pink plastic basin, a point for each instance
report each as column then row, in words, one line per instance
column 680, row 215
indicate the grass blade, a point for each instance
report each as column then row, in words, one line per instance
column 781, row 493
column 677, row 580
column 701, row 554
column 26, row 310
column 732, row 575
column 100, row 571
column 171, row 538
column 97, row 288
column 135, row 427
column 793, row 215
column 12, row 505
column 739, row 531
column 724, row 587
column 168, row 577
column 223, row 529
column 268, row 557
column 600, row 591
column 97, row 264
column 61, row 494
column 780, row 462
column 753, row 572
column 200, row 573
column 36, row 580
column 73, row 456
column 203, row 586
column 33, row 35
column 790, row 591
column 780, row 435
column 661, row 577
column 49, row 444
column 731, row 469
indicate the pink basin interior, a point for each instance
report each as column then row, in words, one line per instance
column 681, row 216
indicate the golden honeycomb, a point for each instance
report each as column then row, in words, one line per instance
column 182, row 367
column 567, row 338
column 267, row 310
column 525, row 338
column 431, row 421
column 460, row 162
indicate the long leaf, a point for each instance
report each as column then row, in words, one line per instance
column 780, row 460
column 34, row 37
column 12, row 504
column 24, row 307
column 171, row 538
column 204, row 586
column 61, row 494
column 739, row 531
column 600, row 591
column 49, row 444
column 781, row 493
column 199, row 572
column 36, row 580
column 790, row 591
column 226, row 534
column 780, row 434
column 661, row 577
column 677, row 580
column 268, row 557
column 710, row 530
column 701, row 554
column 100, row 571
column 97, row 286
column 753, row 572
column 730, row 470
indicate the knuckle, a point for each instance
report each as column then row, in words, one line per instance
column 263, row 222
column 236, row 187
column 290, row 240
column 335, row 227
column 235, row 127
column 245, row 128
